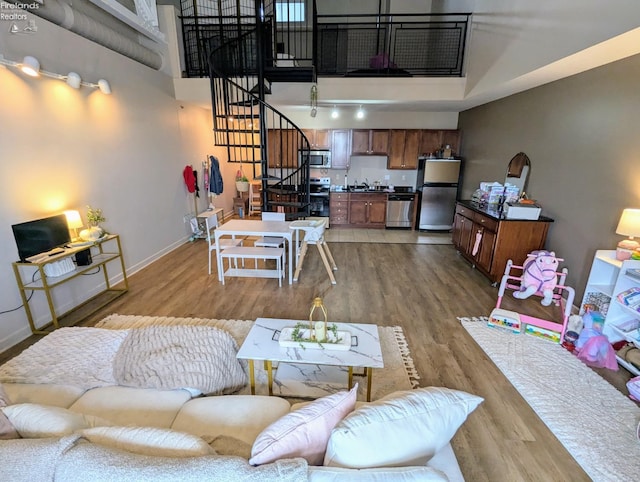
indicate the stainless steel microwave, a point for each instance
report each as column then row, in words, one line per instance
column 317, row 159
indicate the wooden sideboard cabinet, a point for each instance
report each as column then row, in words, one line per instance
column 488, row 240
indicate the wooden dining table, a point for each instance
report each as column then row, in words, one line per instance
column 247, row 227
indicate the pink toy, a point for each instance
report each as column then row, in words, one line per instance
column 539, row 276
column 547, row 329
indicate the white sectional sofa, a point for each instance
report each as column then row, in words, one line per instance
column 404, row 436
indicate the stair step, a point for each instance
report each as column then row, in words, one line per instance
column 289, row 74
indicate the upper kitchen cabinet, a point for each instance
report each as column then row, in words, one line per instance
column 432, row 140
column 340, row 148
column 318, row 138
column 368, row 142
column 404, row 149
column 282, row 148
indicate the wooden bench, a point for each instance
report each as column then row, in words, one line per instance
column 252, row 252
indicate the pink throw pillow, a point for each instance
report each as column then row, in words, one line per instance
column 304, row 432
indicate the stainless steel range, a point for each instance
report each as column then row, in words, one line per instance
column 319, row 192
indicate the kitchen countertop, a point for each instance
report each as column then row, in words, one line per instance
column 493, row 212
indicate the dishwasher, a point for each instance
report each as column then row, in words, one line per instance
column 400, row 209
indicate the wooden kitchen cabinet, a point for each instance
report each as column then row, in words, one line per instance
column 488, row 241
column 340, row 148
column 318, row 138
column 367, row 210
column 432, row 140
column 404, row 149
column 367, row 142
column 282, row 148
column 338, row 208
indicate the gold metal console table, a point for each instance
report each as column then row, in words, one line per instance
column 100, row 257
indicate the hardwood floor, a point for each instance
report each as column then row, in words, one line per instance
column 422, row 288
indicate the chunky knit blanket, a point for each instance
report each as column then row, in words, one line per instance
column 199, row 358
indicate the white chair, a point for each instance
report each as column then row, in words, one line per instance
column 211, row 223
column 271, row 241
column 313, row 234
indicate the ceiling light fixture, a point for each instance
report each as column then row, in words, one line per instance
column 30, row 66
column 335, row 113
column 360, row 113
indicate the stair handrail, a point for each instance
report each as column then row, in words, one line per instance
column 300, row 175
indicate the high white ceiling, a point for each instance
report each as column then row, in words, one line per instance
column 513, row 46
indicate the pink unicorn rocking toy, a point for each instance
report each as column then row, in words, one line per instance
column 540, row 277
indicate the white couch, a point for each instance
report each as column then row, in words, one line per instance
column 242, row 418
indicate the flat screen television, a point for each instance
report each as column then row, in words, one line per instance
column 35, row 237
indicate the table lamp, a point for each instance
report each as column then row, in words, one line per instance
column 74, row 222
column 629, row 225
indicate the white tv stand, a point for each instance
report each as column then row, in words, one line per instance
column 100, row 257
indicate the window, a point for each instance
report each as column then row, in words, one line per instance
column 290, row 11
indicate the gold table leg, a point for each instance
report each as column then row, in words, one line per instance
column 269, row 367
column 252, row 378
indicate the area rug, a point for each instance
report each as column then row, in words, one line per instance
column 594, row 421
column 399, row 372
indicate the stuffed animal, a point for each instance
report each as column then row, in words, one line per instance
column 539, row 276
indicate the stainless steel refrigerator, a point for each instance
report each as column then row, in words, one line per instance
column 438, row 181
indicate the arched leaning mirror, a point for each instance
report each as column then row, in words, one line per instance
column 518, row 171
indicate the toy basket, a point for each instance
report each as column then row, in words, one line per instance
column 633, row 386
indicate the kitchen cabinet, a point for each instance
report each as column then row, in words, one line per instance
column 404, row 148
column 338, row 208
column 282, row 148
column 367, row 210
column 340, row 148
column 367, row 142
column 488, row 240
column 607, row 279
column 318, row 138
column 432, row 140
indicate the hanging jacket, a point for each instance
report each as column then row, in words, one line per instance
column 195, row 183
column 189, row 178
column 215, row 179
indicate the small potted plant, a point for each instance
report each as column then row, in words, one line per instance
column 242, row 183
column 94, row 219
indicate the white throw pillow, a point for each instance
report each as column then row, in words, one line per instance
column 403, row 428
column 33, row 420
column 304, row 432
column 162, row 442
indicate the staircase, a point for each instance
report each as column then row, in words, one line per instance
column 258, row 137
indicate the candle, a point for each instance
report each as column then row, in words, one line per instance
column 320, row 331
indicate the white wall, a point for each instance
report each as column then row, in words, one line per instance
column 65, row 149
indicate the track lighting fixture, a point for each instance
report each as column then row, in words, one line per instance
column 30, row 66
column 74, row 80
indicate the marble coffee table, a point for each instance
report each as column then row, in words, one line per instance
column 316, row 370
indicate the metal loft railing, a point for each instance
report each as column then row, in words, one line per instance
column 253, row 132
column 404, row 45
column 299, row 46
